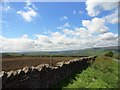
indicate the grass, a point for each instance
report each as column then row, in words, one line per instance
column 103, row 73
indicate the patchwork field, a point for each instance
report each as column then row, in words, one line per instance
column 13, row 63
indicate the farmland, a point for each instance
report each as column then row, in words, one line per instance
column 102, row 73
column 13, row 63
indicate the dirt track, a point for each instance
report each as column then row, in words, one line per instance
column 14, row 63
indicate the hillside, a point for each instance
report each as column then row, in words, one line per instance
column 82, row 52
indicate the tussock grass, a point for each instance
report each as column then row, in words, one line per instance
column 103, row 73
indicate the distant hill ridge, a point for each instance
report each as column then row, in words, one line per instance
column 82, row 52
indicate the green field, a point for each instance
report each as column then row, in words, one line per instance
column 103, row 73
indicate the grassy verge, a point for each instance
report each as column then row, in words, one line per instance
column 103, row 73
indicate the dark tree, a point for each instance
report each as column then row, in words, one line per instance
column 23, row 55
column 109, row 54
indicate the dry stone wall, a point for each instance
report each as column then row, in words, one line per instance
column 44, row 75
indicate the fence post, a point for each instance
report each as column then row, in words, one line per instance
column 51, row 60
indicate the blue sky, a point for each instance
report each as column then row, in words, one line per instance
column 37, row 21
column 48, row 18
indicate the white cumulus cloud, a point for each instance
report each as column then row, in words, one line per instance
column 94, row 7
column 16, row 44
column 95, row 26
column 68, row 40
column 112, row 18
column 27, row 16
column 108, row 36
column 29, row 12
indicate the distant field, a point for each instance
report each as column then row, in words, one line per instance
column 13, row 63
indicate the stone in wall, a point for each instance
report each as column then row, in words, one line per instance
column 44, row 75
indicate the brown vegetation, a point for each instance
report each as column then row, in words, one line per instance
column 14, row 63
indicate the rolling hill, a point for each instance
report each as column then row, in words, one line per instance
column 82, row 52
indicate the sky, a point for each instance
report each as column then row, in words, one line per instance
column 57, row 26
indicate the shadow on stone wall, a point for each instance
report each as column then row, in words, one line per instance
column 44, row 75
column 68, row 79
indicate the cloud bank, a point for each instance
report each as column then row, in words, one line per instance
column 68, row 39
